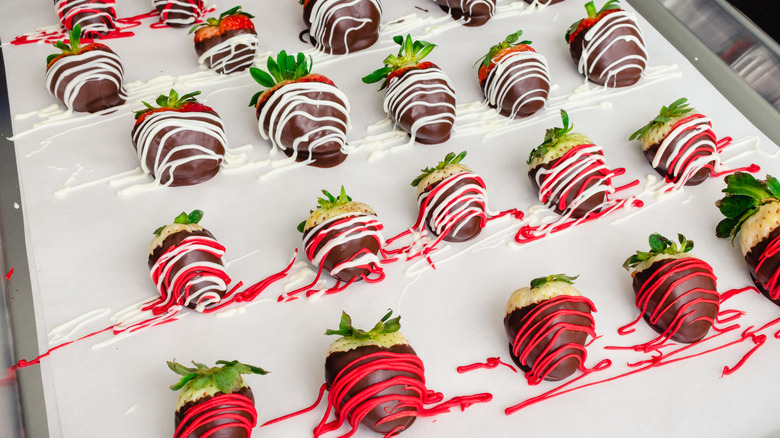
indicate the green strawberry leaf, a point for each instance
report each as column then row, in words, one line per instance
column 659, row 245
column 541, row 281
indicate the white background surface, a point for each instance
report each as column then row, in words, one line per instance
column 88, row 247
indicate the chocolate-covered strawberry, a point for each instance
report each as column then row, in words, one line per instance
column 752, row 209
column 451, row 199
column 179, row 13
column 569, row 172
column 185, row 261
column 608, row 46
column 473, row 12
column 228, row 43
column 676, row 293
column 343, row 237
column 680, row 144
column 342, row 26
column 373, row 377
column 547, row 325
column 303, row 113
column 419, row 96
column 95, row 17
column 85, row 77
column 514, row 78
column 214, row 402
column 182, row 142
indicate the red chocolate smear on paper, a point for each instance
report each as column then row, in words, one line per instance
column 10, row 273
column 166, row 313
column 362, row 402
column 491, row 363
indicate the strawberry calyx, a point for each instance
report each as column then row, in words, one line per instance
column 659, row 245
column 510, row 44
column 409, row 55
column 676, row 109
column 541, row 281
column 184, row 219
column 384, row 326
column 171, row 102
column 451, row 158
column 73, row 48
column 283, row 70
column 552, row 137
column 744, row 197
column 226, row 377
column 327, row 203
column 223, row 23
column 593, row 17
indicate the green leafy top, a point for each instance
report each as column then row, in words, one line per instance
column 659, row 245
column 384, row 326
column 172, row 100
column 284, row 68
column 327, row 203
column 451, row 158
column 744, row 196
column 72, row 49
column 215, row 21
column 511, row 40
column 227, row 378
column 409, row 55
column 590, row 7
column 552, row 137
column 193, row 218
column 676, row 109
column 541, row 281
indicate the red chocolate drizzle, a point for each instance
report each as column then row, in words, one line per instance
column 121, row 30
column 424, row 247
column 222, row 411
column 691, row 305
column 370, row 272
column 10, row 273
column 165, row 311
column 767, row 279
column 541, row 331
column 589, row 176
column 351, row 408
column 751, row 334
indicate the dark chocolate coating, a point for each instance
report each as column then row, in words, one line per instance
column 429, row 133
column 768, row 268
column 586, row 206
column 325, row 155
column 610, row 57
column 95, row 94
column 530, row 87
column 343, row 35
column 476, row 13
column 700, row 175
column 337, row 361
column 473, row 226
column 346, row 251
column 190, row 172
column 240, row 53
column 513, row 322
column 187, row 10
column 187, row 259
column 693, row 328
column 230, row 432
